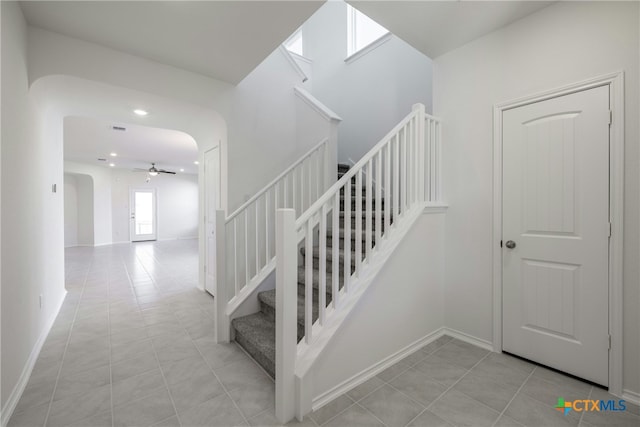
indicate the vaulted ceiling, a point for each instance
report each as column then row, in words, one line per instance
column 225, row 40
column 437, row 27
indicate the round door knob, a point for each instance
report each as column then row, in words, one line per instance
column 510, row 244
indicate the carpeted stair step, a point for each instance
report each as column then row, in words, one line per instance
column 364, row 202
column 316, row 279
column 364, row 221
column 256, row 333
column 353, row 236
column 268, row 308
column 343, row 167
column 316, row 258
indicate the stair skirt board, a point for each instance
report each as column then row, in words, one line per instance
column 373, row 370
column 370, row 372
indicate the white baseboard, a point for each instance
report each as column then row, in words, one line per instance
column 17, row 391
column 631, row 396
column 177, row 238
column 373, row 370
column 478, row 342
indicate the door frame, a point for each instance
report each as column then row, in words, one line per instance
column 615, row 81
column 132, row 191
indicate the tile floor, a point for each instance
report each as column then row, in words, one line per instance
column 132, row 346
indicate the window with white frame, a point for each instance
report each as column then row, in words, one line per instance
column 361, row 31
column 294, row 43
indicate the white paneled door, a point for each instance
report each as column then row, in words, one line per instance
column 142, row 207
column 555, row 231
column 211, row 188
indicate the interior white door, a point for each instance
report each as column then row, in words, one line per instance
column 555, row 197
column 142, row 207
column 212, row 180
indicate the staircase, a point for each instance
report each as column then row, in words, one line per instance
column 256, row 332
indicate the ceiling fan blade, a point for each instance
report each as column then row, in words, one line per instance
column 140, row 170
column 164, row 171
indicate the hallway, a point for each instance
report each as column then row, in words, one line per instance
column 133, row 346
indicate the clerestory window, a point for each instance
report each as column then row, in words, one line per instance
column 294, row 43
column 361, row 31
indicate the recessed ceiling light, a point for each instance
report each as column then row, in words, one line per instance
column 112, row 164
column 196, row 162
column 113, row 154
column 181, row 170
column 140, row 112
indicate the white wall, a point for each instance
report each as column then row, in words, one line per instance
column 70, row 210
column 86, row 211
column 403, row 305
column 78, row 210
column 371, row 94
column 177, row 204
column 99, row 231
column 561, row 44
column 32, row 216
column 262, row 127
column 259, row 111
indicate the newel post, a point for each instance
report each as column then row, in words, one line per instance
column 420, row 111
column 222, row 329
column 286, row 316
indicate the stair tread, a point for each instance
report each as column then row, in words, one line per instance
column 260, row 331
column 269, row 298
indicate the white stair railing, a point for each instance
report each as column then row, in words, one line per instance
column 246, row 253
column 398, row 175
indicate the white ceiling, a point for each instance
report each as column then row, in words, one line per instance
column 437, row 27
column 225, row 40
column 87, row 139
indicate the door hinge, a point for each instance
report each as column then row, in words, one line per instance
column 610, row 117
column 610, row 229
column 500, row 243
column 609, row 348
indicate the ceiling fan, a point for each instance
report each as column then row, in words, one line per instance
column 153, row 171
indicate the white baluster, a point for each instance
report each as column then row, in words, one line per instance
column 286, row 192
column 387, row 188
column 369, row 210
column 267, row 254
column 235, row 256
column 358, row 240
column 439, row 164
column 335, row 259
column 293, row 190
column 378, row 215
column 403, row 172
column 347, row 235
column 429, row 160
column 257, row 234
column 396, row 178
column 308, row 282
column 322, row 265
column 246, row 247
